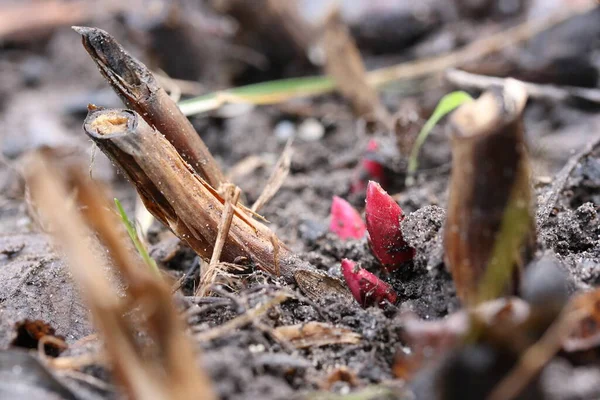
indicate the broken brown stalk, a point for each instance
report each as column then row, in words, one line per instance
column 169, row 370
column 490, row 232
column 140, row 91
column 182, row 200
column 345, row 66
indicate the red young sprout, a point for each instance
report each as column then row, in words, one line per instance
column 383, row 217
column 345, row 220
column 369, row 169
column 366, row 288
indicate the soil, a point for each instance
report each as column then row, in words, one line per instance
column 44, row 89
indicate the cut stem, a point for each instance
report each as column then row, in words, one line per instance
column 140, row 91
column 181, row 199
column 490, row 232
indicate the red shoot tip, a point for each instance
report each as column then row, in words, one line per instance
column 345, row 220
column 383, row 217
column 368, row 169
column 366, row 288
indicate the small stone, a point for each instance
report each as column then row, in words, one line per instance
column 284, row 130
column 311, row 130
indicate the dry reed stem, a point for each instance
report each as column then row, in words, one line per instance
column 469, row 80
column 345, row 66
column 243, row 319
column 182, row 200
column 174, row 375
column 140, row 91
column 231, row 194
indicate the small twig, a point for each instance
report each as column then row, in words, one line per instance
column 548, row 92
column 241, row 302
column 241, row 320
column 90, row 380
column 77, row 362
column 199, row 310
column 280, row 172
column 538, row 355
column 179, row 86
column 549, row 200
column 207, row 278
column 189, row 274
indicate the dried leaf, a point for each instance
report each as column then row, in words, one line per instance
column 316, row 334
column 318, row 285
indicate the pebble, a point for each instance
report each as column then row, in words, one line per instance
column 311, row 130
column 284, row 130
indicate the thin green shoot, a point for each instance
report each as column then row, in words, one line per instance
column 129, row 226
column 446, row 105
column 271, row 92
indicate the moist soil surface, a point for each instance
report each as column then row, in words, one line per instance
column 44, row 91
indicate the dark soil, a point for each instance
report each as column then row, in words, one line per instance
column 44, row 89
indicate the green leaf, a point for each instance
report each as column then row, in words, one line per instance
column 446, row 105
column 259, row 93
column 129, row 226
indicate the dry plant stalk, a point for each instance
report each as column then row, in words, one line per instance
column 181, row 199
column 231, row 194
column 173, row 372
column 345, row 66
column 490, row 232
column 140, row 91
column 535, row 91
column 243, row 319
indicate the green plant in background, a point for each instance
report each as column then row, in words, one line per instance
column 136, row 239
column 271, row 92
column 446, row 105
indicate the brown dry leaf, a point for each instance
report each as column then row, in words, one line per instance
column 345, row 66
column 317, row 284
column 316, row 334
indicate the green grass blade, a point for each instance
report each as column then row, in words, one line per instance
column 259, row 93
column 135, row 238
column 447, row 104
